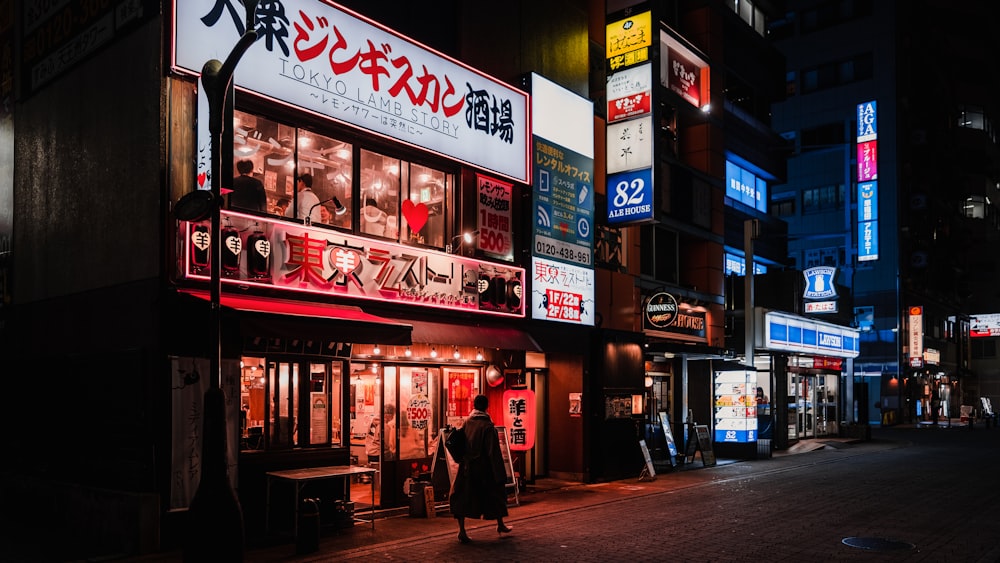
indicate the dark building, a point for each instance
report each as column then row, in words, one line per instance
column 895, row 103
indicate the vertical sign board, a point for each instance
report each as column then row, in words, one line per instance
column 562, row 246
column 916, row 348
column 867, row 149
column 671, row 444
column 705, row 445
column 650, row 471
column 508, row 463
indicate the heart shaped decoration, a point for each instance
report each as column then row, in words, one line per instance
column 346, row 261
column 263, row 247
column 201, row 179
column 201, row 240
column 415, row 215
column 234, row 244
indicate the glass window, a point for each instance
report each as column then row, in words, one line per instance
column 293, row 403
column 418, row 420
column 269, row 146
column 379, row 195
column 390, row 198
column 427, row 190
column 329, row 161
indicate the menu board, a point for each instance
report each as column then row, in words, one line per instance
column 671, row 445
column 508, row 463
column 735, row 407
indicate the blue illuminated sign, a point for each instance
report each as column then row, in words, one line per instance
column 819, row 282
column 867, row 191
column 630, row 196
column 803, row 335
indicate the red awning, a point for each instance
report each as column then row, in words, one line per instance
column 283, row 318
column 473, row 334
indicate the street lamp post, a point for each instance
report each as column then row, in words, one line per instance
column 215, row 518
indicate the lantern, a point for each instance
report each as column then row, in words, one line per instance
column 519, row 418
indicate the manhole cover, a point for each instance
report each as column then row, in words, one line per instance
column 877, row 544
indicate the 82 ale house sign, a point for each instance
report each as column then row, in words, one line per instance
column 664, row 314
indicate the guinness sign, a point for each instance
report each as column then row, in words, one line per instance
column 661, row 310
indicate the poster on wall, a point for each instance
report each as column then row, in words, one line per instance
column 735, row 406
column 461, row 389
column 190, row 378
column 575, row 404
column 562, row 292
column 494, row 225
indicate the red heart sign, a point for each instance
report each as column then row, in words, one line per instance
column 415, row 215
column 201, row 179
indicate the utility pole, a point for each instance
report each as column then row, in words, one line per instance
column 215, row 518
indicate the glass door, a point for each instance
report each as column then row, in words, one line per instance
column 281, row 430
column 802, row 403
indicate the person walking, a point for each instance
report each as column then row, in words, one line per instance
column 248, row 191
column 480, row 486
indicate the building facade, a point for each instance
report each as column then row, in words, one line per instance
column 893, row 181
column 362, row 311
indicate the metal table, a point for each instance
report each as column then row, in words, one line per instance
column 301, row 477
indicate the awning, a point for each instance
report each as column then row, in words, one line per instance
column 283, row 318
column 473, row 334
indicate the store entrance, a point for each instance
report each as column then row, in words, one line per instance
column 801, row 406
column 813, row 405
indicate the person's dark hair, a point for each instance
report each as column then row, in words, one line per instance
column 307, row 179
column 390, row 409
column 244, row 166
column 284, row 202
column 480, row 403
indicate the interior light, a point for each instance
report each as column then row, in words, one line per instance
column 434, row 352
column 408, row 352
column 456, row 354
column 479, row 355
column 377, row 350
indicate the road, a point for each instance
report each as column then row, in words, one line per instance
column 909, row 494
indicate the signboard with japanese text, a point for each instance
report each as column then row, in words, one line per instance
column 495, row 230
column 630, row 145
column 630, row 93
column 867, row 186
column 322, row 261
column 984, row 325
column 867, row 161
column 628, row 40
column 562, row 292
column 683, row 71
column 564, row 204
column 563, row 168
column 519, row 418
column 916, row 332
column 58, row 35
column 735, row 406
column 337, row 64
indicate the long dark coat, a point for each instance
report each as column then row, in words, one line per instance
column 480, row 486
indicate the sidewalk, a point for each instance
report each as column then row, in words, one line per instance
column 544, row 496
